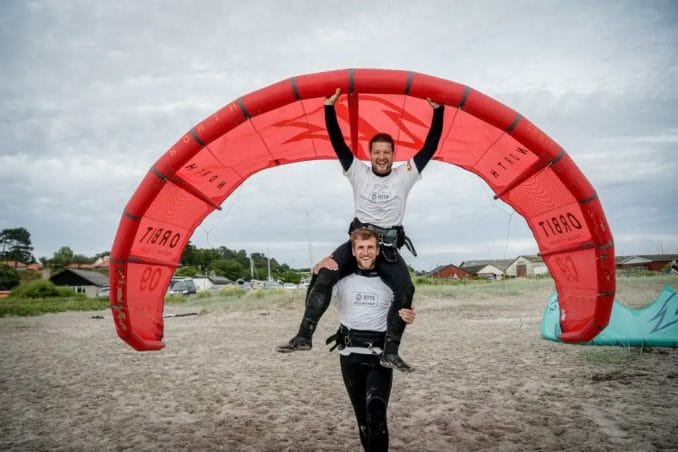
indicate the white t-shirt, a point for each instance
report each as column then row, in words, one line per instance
column 381, row 200
column 362, row 304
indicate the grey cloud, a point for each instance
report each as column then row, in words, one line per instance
column 92, row 94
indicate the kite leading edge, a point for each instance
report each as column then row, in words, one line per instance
column 283, row 124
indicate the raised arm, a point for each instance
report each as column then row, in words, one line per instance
column 340, row 147
column 425, row 154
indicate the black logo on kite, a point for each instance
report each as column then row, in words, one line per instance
column 207, row 175
column 560, row 225
column 664, row 321
column 402, row 119
column 509, row 158
column 161, row 237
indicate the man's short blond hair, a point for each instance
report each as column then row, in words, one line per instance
column 363, row 234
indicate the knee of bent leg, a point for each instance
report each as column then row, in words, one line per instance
column 327, row 277
column 404, row 294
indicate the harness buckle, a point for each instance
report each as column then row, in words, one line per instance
column 391, row 239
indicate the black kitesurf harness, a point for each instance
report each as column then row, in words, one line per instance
column 346, row 337
column 390, row 239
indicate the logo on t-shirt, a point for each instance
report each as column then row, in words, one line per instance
column 380, row 197
column 364, row 299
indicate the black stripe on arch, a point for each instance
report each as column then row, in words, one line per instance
column 351, row 80
column 515, row 122
column 408, row 85
column 589, row 199
column 244, row 111
column 131, row 216
column 158, row 173
column 555, row 159
column 196, row 137
column 467, row 90
column 295, row 88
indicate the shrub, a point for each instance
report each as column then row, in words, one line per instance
column 231, row 291
column 202, row 294
column 41, row 288
column 256, row 293
column 30, row 275
column 9, row 277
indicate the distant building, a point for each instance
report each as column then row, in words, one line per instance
column 16, row 265
column 501, row 264
column 488, row 271
column 488, row 268
column 449, row 272
column 646, row 262
column 82, row 281
column 527, row 267
column 211, row 283
column 19, row 266
column 102, row 262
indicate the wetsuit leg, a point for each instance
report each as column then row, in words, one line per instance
column 397, row 277
column 319, row 292
column 379, row 382
column 369, row 388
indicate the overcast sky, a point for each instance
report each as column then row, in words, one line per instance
column 92, row 93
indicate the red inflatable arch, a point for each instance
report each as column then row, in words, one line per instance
column 284, row 123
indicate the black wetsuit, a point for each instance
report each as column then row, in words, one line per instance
column 359, row 339
column 394, row 273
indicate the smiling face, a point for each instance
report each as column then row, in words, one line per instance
column 365, row 249
column 381, row 156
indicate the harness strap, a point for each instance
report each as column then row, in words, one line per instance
column 410, row 246
column 346, row 337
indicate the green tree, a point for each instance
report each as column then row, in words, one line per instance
column 188, row 256
column 102, row 254
column 235, row 264
column 229, row 268
column 62, row 257
column 9, row 277
column 15, row 245
column 81, row 259
column 186, row 271
column 288, row 276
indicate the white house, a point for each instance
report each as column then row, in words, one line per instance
column 488, row 271
column 81, row 281
column 527, row 267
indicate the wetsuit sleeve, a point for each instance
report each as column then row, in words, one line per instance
column 343, row 152
column 422, row 157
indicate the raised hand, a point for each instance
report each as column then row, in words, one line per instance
column 433, row 105
column 331, row 100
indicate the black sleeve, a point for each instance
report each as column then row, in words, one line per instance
column 343, row 152
column 425, row 154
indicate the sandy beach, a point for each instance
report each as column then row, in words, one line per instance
column 485, row 380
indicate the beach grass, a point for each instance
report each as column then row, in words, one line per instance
column 236, row 299
column 38, row 306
